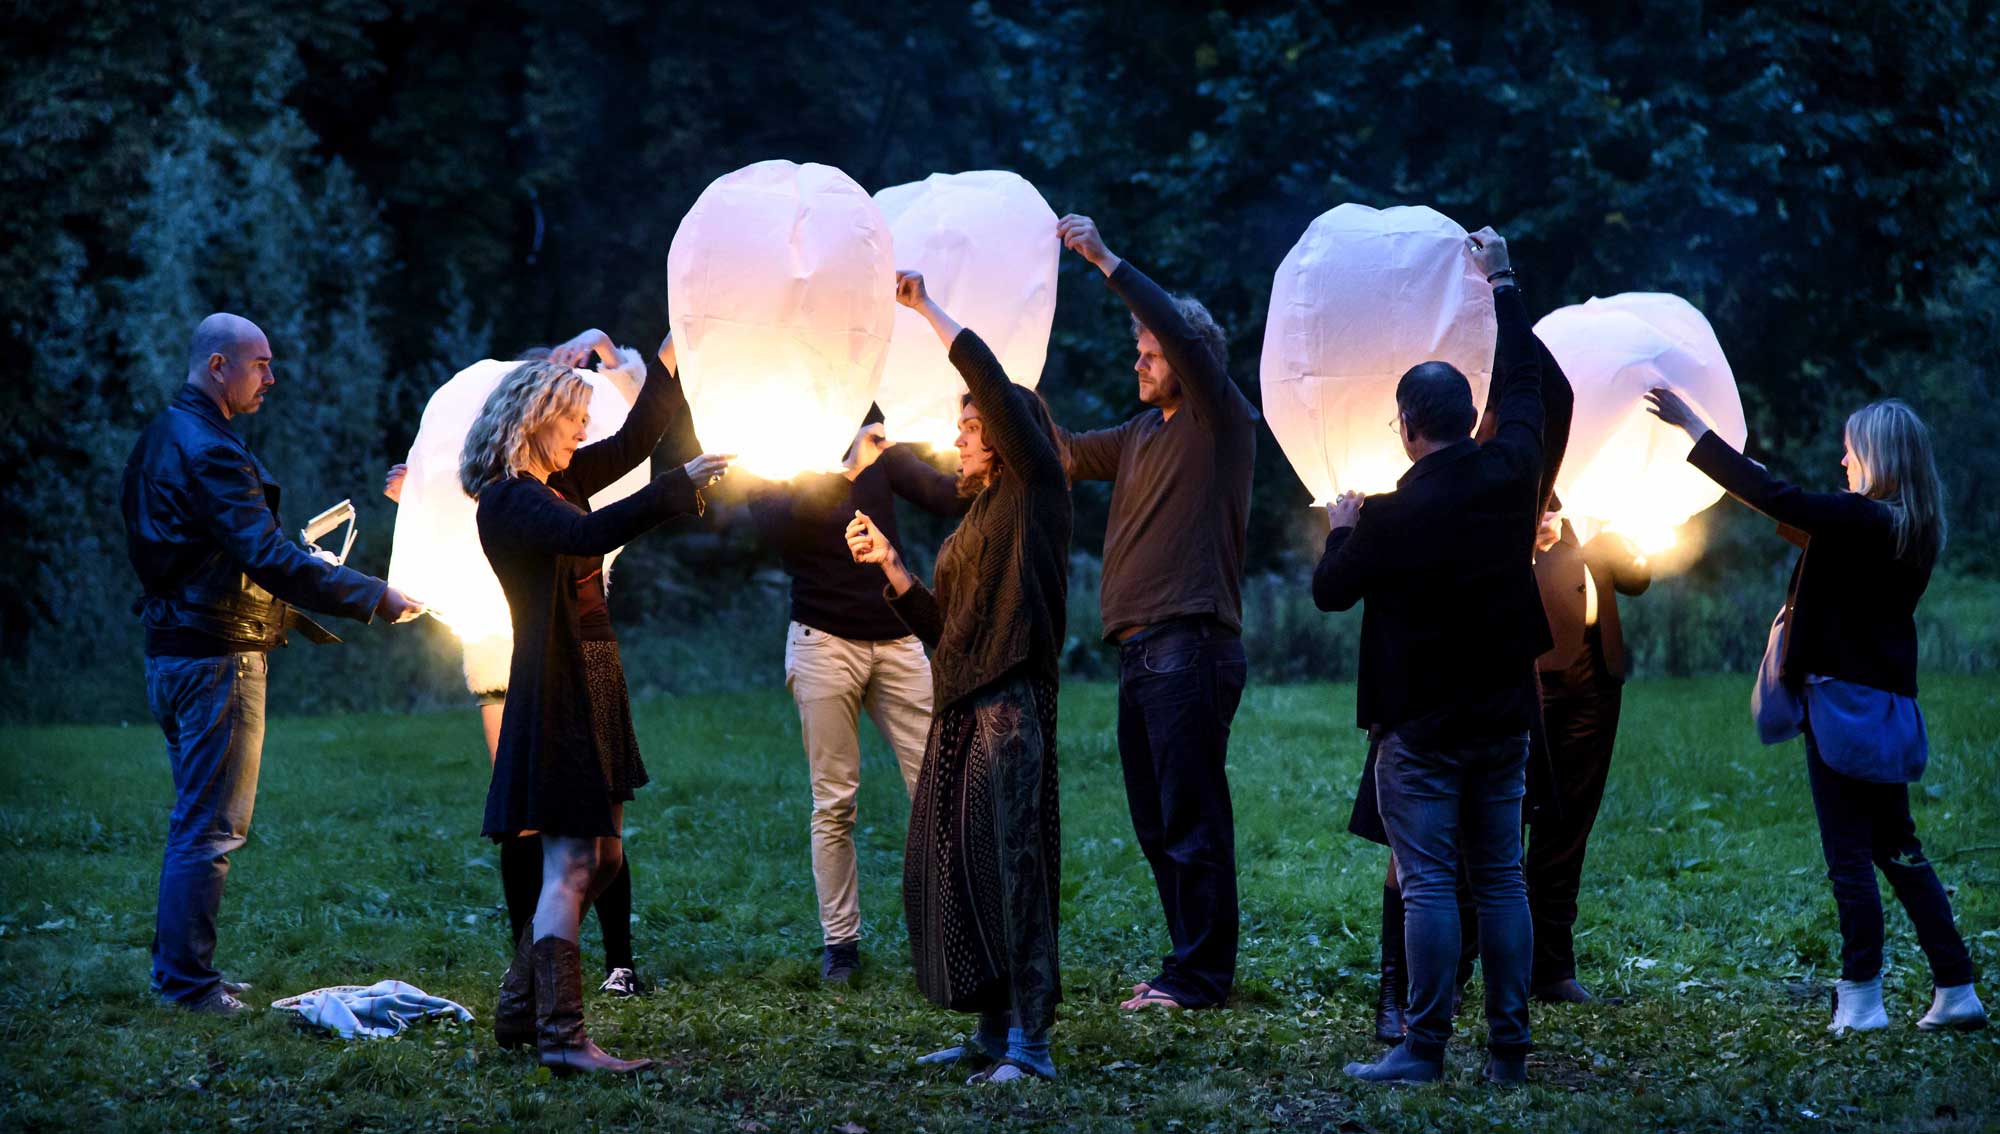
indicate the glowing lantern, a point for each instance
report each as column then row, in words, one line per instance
column 436, row 553
column 986, row 244
column 782, row 286
column 1363, row 296
column 1625, row 469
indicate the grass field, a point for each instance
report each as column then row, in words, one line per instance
column 1704, row 906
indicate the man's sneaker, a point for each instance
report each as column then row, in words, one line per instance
column 620, row 982
column 837, row 964
column 218, row 1003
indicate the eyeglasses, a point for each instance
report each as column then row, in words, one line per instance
column 1396, row 424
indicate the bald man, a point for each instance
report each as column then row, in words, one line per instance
column 219, row 582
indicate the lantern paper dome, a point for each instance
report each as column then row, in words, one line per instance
column 1363, row 296
column 1625, row 469
column 986, row 244
column 781, row 282
column 435, row 554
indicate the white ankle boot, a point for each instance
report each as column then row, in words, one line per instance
column 1857, row 1006
column 1957, row 1008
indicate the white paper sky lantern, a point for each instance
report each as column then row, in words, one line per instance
column 986, row 244
column 436, row 555
column 1363, row 296
column 782, row 287
column 1625, row 469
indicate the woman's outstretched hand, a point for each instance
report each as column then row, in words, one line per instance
column 708, row 468
column 1671, row 408
column 866, row 544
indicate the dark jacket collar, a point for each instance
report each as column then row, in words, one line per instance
column 199, row 404
column 1449, row 455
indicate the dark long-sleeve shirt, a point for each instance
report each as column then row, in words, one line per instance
column 1180, row 497
column 805, row 521
column 1003, row 577
column 1453, row 618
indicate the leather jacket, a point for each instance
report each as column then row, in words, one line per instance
column 201, row 529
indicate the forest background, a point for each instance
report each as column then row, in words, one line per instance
column 395, row 189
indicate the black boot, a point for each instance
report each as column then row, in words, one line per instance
column 565, row 1047
column 1391, row 1015
column 514, row 1013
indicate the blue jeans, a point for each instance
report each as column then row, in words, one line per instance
column 1178, row 687
column 212, row 712
column 1442, row 802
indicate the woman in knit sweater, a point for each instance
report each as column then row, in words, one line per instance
column 982, row 868
column 568, row 758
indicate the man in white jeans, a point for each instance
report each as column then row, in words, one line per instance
column 845, row 650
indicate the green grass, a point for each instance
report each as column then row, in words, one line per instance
column 1704, row 906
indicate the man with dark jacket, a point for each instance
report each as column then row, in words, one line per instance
column 1582, row 681
column 1452, row 626
column 1172, row 598
column 219, row 580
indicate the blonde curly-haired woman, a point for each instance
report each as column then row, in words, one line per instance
column 568, row 758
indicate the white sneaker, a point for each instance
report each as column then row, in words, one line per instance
column 1857, row 1006
column 620, row 982
column 1957, row 1008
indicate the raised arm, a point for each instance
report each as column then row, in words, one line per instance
column 1009, row 426
column 1205, row 386
column 1345, row 570
column 1093, row 454
column 659, row 404
column 1612, row 556
column 231, row 506
column 1517, row 366
column 530, row 515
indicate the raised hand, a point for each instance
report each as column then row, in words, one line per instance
column 869, row 444
column 1671, row 408
column 667, row 357
column 392, row 484
column 576, row 351
column 1345, row 511
column 1079, row 234
column 910, row 289
column 1487, row 250
column 708, row 468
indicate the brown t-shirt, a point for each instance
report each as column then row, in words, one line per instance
column 1180, row 497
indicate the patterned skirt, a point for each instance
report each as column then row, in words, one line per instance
column 611, row 720
column 982, row 870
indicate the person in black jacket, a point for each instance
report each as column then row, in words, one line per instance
column 220, row 580
column 568, row 757
column 1865, row 559
column 846, row 649
column 1452, row 624
column 982, row 870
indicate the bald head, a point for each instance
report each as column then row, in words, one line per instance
column 229, row 360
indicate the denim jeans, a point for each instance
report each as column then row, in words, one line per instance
column 212, row 712
column 1863, row 827
column 1178, row 687
column 1443, row 803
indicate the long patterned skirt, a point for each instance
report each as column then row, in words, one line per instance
column 983, row 867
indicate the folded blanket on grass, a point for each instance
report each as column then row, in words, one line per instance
column 372, row 1011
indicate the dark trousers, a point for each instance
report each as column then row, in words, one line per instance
column 1864, row 827
column 212, row 713
column 1447, row 804
column 1178, row 687
column 1580, row 710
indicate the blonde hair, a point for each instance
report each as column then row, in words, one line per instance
column 1893, row 446
column 502, row 441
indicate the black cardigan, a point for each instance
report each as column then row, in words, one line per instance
column 1853, row 602
column 1003, row 575
column 533, row 534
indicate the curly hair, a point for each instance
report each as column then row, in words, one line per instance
column 501, row 442
column 1203, row 324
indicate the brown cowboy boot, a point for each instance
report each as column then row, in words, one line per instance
column 565, row 1048
column 514, row 1012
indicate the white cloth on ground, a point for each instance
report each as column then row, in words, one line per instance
column 381, row 1009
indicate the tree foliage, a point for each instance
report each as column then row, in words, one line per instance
column 391, row 188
